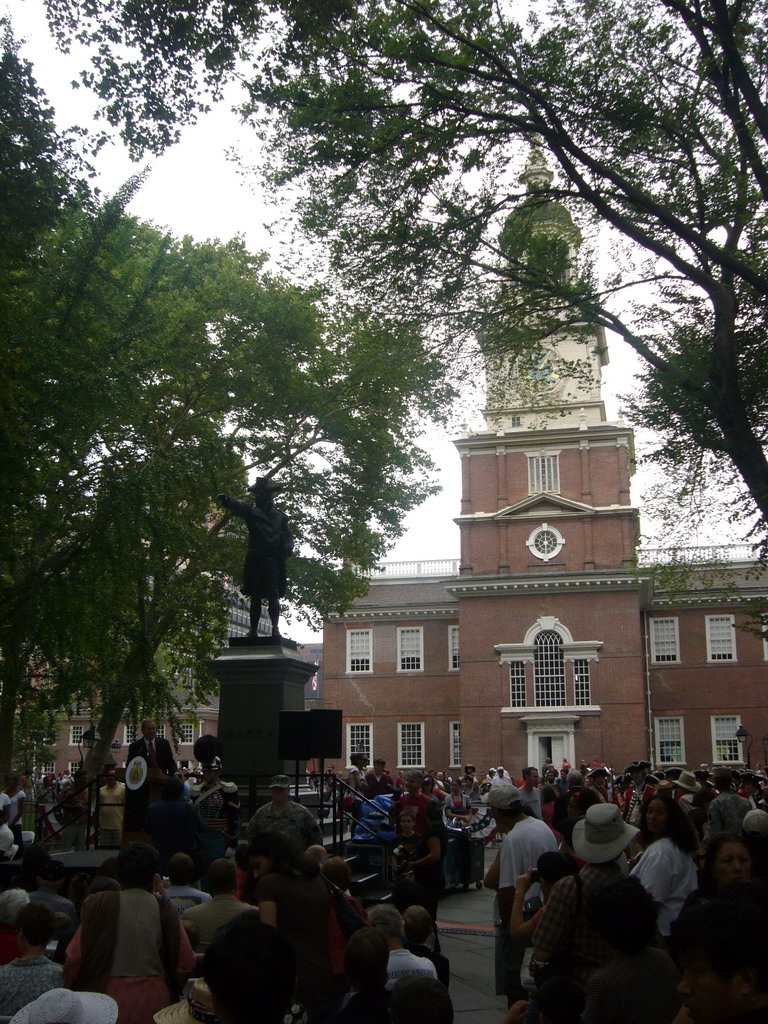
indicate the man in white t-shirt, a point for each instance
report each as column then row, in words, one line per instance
column 401, row 961
column 523, row 844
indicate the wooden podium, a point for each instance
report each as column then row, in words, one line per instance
column 138, row 800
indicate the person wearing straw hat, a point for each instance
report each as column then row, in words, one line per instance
column 599, row 839
column 686, row 785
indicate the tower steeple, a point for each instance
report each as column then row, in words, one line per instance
column 558, row 381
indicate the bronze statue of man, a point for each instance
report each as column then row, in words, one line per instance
column 270, row 544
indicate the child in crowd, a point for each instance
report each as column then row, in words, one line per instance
column 406, row 841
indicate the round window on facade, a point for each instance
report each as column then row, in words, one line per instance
column 545, row 542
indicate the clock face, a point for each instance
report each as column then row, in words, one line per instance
column 540, row 370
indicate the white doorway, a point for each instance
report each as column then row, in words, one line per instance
column 551, row 746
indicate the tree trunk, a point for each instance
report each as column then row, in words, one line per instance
column 109, row 721
column 14, row 675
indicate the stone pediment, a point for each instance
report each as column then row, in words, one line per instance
column 538, row 505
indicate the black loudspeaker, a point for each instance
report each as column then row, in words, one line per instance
column 293, row 736
column 303, row 735
column 325, row 732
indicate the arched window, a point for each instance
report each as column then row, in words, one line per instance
column 549, row 669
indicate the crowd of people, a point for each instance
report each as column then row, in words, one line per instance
column 637, row 897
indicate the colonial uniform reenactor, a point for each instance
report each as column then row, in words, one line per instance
column 219, row 805
column 639, row 792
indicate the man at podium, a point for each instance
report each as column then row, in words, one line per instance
column 155, row 750
column 157, row 753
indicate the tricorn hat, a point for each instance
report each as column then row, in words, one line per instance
column 637, row 766
column 263, row 483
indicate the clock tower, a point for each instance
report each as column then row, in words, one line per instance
column 548, row 538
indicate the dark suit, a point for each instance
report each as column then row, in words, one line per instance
column 137, row 801
column 163, row 753
column 175, row 827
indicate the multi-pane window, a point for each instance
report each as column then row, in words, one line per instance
column 359, row 739
column 76, row 735
column 73, row 766
column 47, row 768
column 665, row 643
column 721, row 638
column 410, row 744
column 453, row 649
column 160, row 731
column 517, row 684
column 359, row 650
column 669, row 741
column 548, row 670
column 187, row 733
column 129, row 734
column 410, row 645
column 543, row 473
column 725, row 746
column 455, row 737
column 582, row 691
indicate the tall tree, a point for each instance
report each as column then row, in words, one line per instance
column 153, row 372
column 403, row 122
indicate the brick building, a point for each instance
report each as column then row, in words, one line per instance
column 544, row 639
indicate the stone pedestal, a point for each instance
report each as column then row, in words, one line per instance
column 259, row 677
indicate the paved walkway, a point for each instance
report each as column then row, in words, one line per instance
column 465, row 920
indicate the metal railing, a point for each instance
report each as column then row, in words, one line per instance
column 713, row 554
column 50, row 820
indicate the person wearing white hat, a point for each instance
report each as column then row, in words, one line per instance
column 60, row 1006
column 600, row 839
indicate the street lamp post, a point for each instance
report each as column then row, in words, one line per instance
column 742, row 736
column 89, row 740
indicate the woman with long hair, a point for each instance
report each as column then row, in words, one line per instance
column 131, row 944
column 666, row 868
column 293, row 897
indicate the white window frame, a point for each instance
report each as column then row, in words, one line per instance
column 76, row 734
column 402, row 654
column 353, row 655
column 73, row 766
column 714, row 656
column 546, row 555
column 544, row 473
column 454, row 656
column 658, row 726
column 160, row 734
column 454, row 744
column 190, row 727
column 401, row 762
column 355, row 749
column 660, row 656
column 582, row 690
column 47, row 768
column 734, row 722
column 130, row 733
column 549, row 676
column 518, row 687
